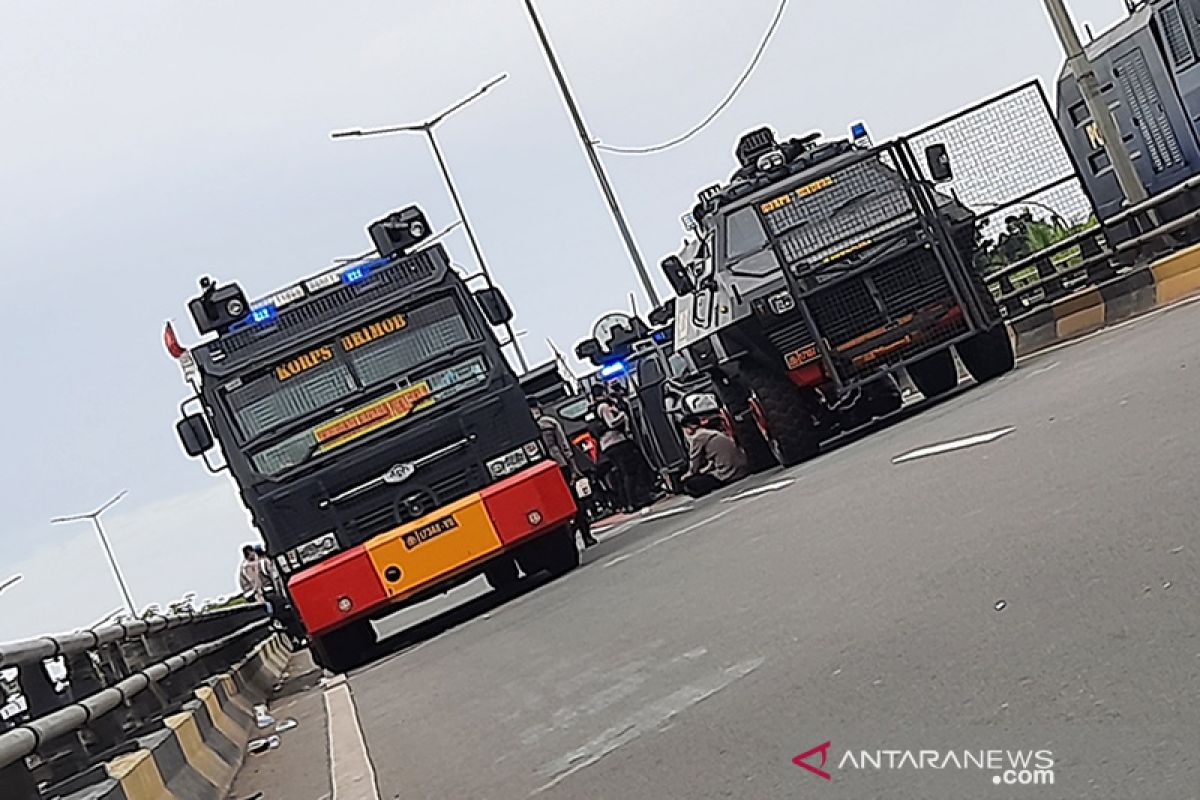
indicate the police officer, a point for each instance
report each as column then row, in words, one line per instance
column 555, row 440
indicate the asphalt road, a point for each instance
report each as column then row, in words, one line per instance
column 1036, row 591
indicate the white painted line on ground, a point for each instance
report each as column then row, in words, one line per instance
column 350, row 771
column 957, row 444
column 770, row 487
column 688, row 529
column 1046, row 368
column 646, row 720
column 666, row 512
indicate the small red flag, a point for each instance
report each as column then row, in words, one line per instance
column 171, row 341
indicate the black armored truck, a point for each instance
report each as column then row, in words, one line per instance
column 818, row 273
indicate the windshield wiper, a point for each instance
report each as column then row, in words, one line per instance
column 853, row 201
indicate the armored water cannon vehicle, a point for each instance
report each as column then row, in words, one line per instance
column 820, row 270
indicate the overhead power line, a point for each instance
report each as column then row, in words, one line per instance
column 712, row 115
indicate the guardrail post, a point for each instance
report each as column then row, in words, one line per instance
column 16, row 782
column 104, row 733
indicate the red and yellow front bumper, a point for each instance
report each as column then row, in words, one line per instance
column 417, row 555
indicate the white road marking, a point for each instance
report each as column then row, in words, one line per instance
column 666, row 512
column 957, row 444
column 646, row 720
column 1046, row 368
column 625, row 556
column 350, row 771
column 770, row 487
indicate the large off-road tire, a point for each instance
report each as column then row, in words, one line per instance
column 786, row 423
column 759, row 457
column 935, row 374
column 344, row 649
column 555, row 552
column 501, row 572
column 988, row 354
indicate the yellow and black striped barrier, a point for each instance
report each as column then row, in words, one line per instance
column 198, row 753
column 1167, row 281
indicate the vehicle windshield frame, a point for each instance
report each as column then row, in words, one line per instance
column 364, row 393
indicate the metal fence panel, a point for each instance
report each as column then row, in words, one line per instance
column 1010, row 160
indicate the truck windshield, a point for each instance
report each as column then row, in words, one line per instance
column 364, row 378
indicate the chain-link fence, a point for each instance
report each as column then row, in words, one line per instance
column 1012, row 168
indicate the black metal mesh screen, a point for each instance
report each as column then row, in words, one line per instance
column 844, row 209
column 1009, row 161
column 890, row 314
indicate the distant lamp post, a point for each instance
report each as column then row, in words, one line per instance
column 94, row 517
column 7, row 582
column 427, row 128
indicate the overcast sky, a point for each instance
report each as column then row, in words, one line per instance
column 145, row 144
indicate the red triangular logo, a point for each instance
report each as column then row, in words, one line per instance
column 800, row 761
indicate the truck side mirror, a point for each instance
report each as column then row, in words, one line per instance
column 494, row 305
column 677, row 275
column 938, row 159
column 194, row 435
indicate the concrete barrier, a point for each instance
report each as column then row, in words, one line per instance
column 198, row 753
column 1170, row 280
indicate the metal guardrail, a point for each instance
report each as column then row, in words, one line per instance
column 120, row 682
column 1126, row 241
column 24, row 739
column 40, row 648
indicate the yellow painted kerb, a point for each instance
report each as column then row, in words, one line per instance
column 197, row 753
column 1177, row 276
column 224, row 724
column 139, row 776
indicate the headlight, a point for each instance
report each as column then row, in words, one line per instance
column 782, row 302
column 312, row 551
column 770, row 161
column 515, row 460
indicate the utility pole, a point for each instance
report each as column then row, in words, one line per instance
column 589, row 147
column 1089, row 87
column 94, row 517
column 427, row 128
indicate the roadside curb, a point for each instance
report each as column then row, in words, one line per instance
column 1160, row 284
column 201, row 748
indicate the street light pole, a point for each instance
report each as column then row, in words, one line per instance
column 427, row 128
column 589, row 147
column 94, row 517
column 1089, row 87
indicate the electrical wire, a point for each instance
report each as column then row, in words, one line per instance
column 712, row 115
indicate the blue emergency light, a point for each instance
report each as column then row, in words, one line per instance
column 356, row 274
column 612, row 370
column 262, row 314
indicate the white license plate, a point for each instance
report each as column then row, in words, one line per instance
column 583, row 488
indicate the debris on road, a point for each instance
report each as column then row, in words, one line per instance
column 257, row 747
column 263, row 718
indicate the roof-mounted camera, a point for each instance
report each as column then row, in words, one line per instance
column 218, row 307
column 399, row 231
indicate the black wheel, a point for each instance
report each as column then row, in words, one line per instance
column 759, row 457
column 935, row 374
column 785, row 422
column 554, row 552
column 345, row 648
column 988, row 355
column 501, row 572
